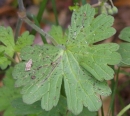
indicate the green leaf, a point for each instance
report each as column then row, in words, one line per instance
column 125, row 34
column 9, row 111
column 20, row 108
column 57, row 34
column 44, row 78
column 24, row 109
column 6, row 46
column 97, row 58
column 124, row 49
column 85, row 112
column 7, row 94
column 85, row 28
column 82, row 65
column 24, row 40
column 59, row 110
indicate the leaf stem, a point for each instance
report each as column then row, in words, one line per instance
column 11, row 59
column 31, row 24
column 17, row 56
column 17, row 30
column 19, row 22
column 111, row 108
column 40, row 13
column 37, row 23
column 41, row 10
column 96, row 5
column 124, row 110
column 22, row 16
column 54, row 9
column 111, row 3
column 102, row 110
column 21, row 5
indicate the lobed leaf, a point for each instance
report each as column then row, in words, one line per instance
column 81, row 65
column 45, row 77
column 24, row 40
column 6, row 46
column 87, row 29
column 60, row 109
column 96, row 59
column 124, row 49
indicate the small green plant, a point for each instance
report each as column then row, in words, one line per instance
column 8, row 46
column 67, row 77
column 74, row 59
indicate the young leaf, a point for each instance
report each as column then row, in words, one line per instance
column 82, row 65
column 124, row 49
column 24, row 40
column 6, row 46
column 7, row 94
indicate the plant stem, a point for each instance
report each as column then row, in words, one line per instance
column 41, row 10
column 112, row 103
column 121, row 102
column 11, row 59
column 96, row 5
column 37, row 23
column 124, row 110
column 21, row 5
column 31, row 24
column 84, row 2
column 40, row 13
column 17, row 56
column 19, row 22
column 18, row 27
column 102, row 110
column 111, row 108
column 54, row 9
column 22, row 16
column 111, row 3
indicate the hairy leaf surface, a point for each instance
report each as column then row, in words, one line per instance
column 82, row 65
column 124, row 49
